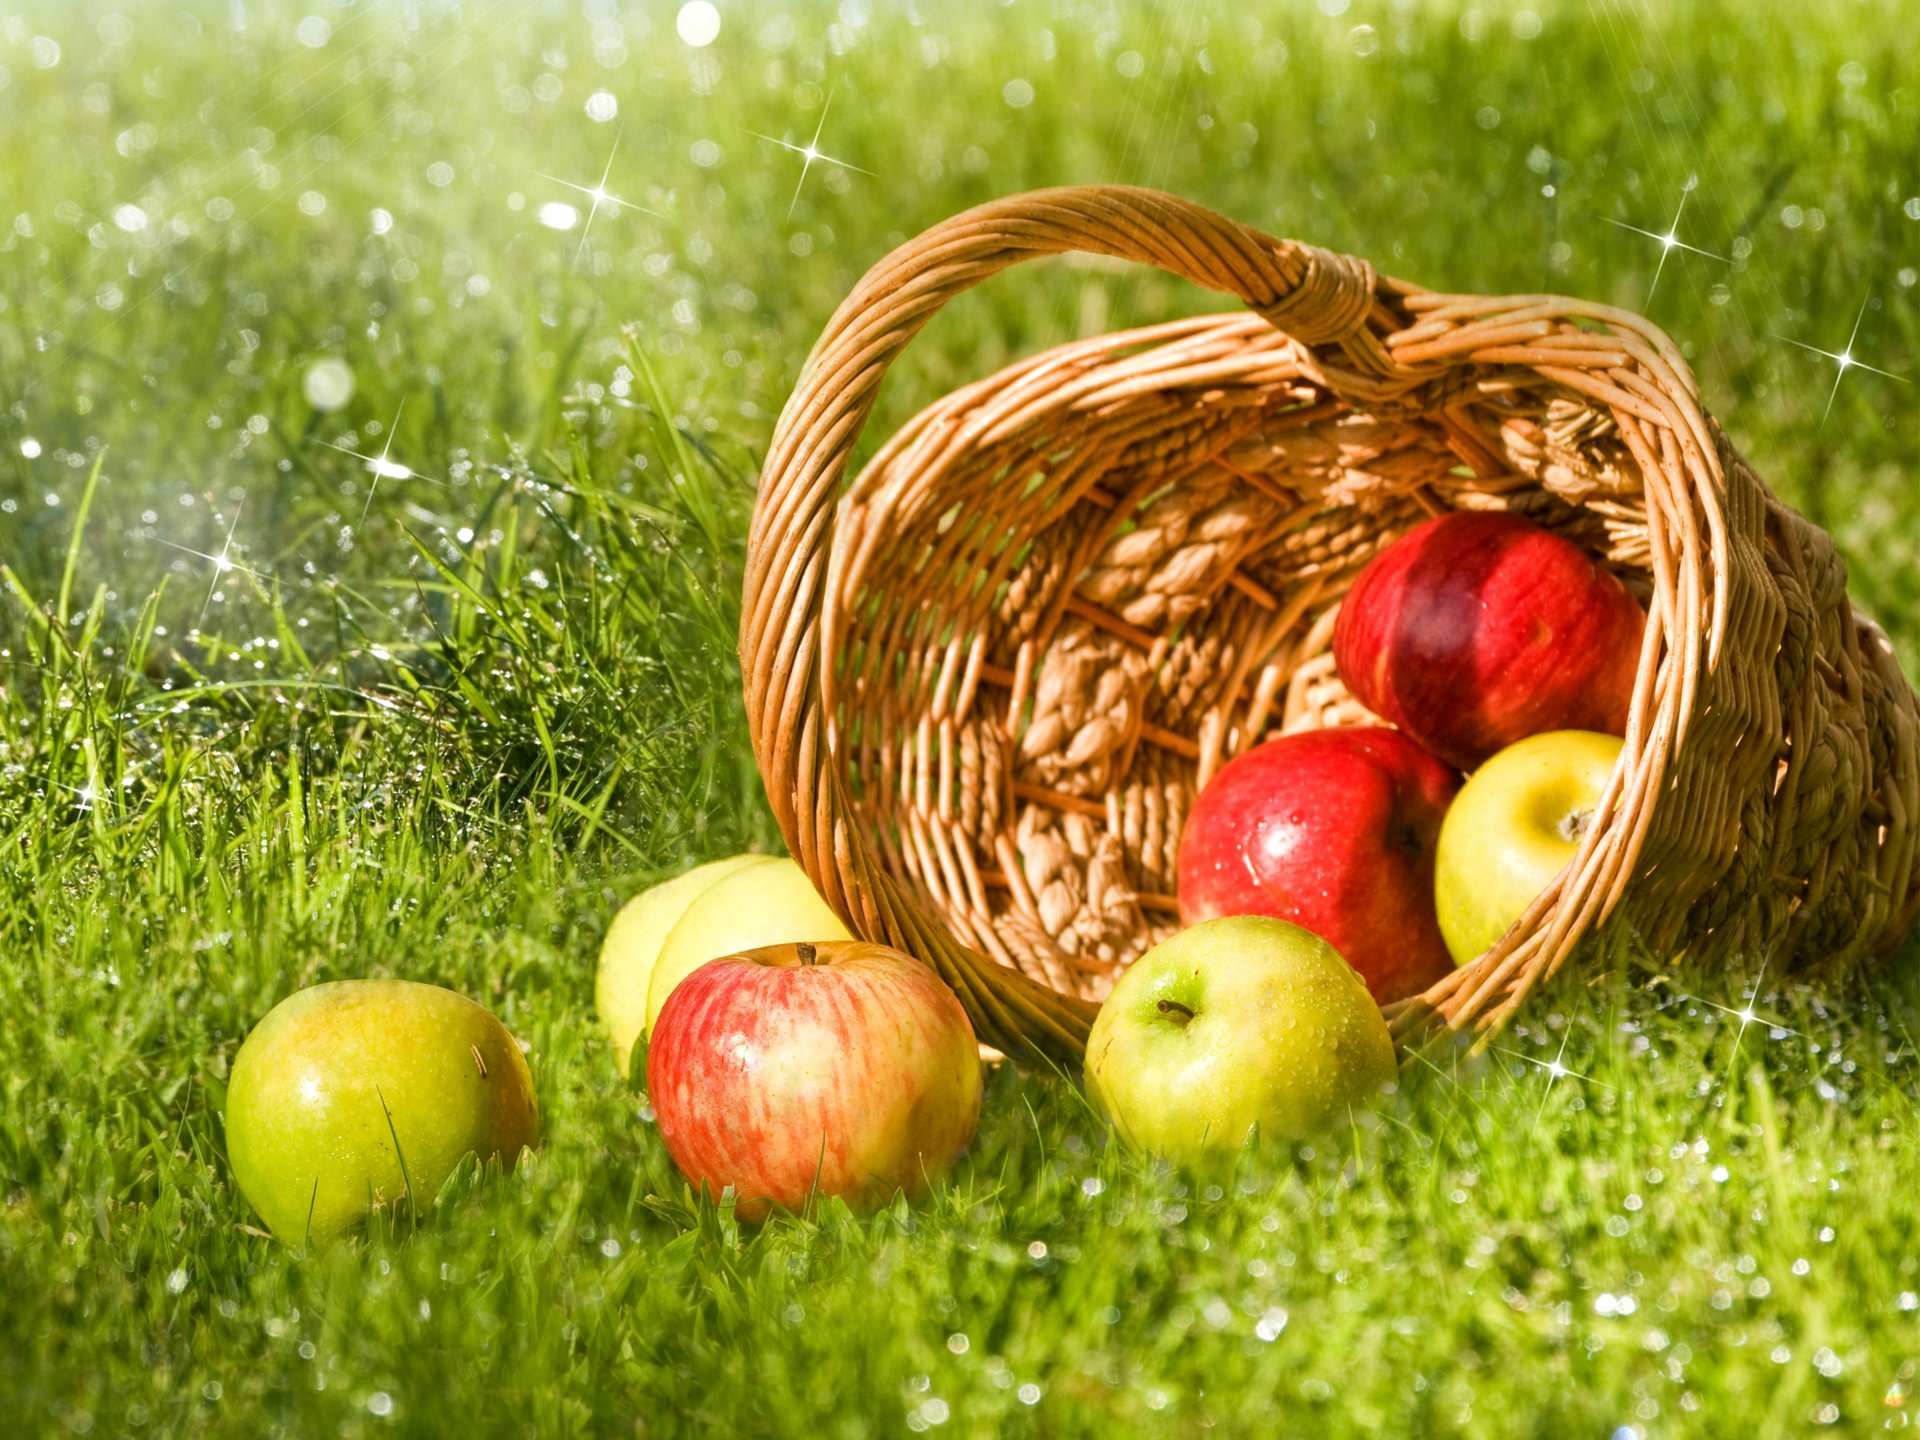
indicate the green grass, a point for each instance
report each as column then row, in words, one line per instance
column 441, row 731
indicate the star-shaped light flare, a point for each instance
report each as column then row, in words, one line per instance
column 1844, row 359
column 1670, row 241
column 599, row 195
column 1556, row 1068
column 1745, row 1014
column 810, row 152
column 84, row 795
column 383, row 466
column 222, row 563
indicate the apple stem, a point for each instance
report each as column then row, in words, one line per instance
column 805, row 951
column 1169, row 1007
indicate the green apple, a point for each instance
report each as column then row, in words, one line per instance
column 771, row 904
column 363, row 1094
column 1514, row 826
column 633, row 944
column 1235, row 1026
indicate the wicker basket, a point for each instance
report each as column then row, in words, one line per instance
column 985, row 680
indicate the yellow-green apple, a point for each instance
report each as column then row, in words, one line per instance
column 362, row 1094
column 1334, row 830
column 633, row 944
column 845, row 1069
column 1476, row 629
column 1235, row 1026
column 1516, row 824
column 771, row 904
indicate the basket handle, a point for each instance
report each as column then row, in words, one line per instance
column 1317, row 296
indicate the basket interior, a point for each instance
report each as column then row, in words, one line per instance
column 1062, row 596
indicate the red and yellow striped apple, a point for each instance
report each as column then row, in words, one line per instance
column 1334, row 830
column 846, row 1069
column 1478, row 628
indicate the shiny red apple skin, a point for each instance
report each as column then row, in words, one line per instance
column 1334, row 830
column 1476, row 629
column 854, row 1074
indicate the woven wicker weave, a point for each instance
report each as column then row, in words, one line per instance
column 985, row 680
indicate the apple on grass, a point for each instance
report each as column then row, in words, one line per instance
column 1334, row 830
column 755, row 906
column 1231, row 1027
column 633, row 944
column 1515, row 826
column 845, row 1069
column 365, row 1094
column 1478, row 628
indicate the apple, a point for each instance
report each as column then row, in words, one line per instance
column 757, row 905
column 1478, row 628
column 633, row 944
column 1334, row 830
column 365, row 1094
column 845, row 1069
column 1231, row 1027
column 1516, row 824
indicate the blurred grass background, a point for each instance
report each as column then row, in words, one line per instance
column 269, row 716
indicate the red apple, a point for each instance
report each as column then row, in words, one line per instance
column 1334, row 830
column 842, row 1069
column 1477, row 629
